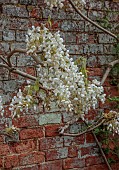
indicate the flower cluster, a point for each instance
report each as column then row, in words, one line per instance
column 59, row 73
column 20, row 103
column 113, row 121
column 1, row 107
column 59, row 3
column 54, row 3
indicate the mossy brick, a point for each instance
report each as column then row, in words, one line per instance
column 17, row 11
column 50, row 118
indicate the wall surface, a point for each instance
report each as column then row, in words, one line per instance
column 39, row 146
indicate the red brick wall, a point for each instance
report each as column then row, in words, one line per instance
column 39, row 146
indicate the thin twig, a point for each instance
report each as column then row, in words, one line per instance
column 85, row 131
column 110, row 65
column 92, row 22
column 98, row 143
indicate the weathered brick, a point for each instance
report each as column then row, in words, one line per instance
column 21, row 36
column 105, row 38
column 59, row 153
column 33, row 167
column 17, row 11
column 4, row 149
column 51, row 165
column 23, row 147
column 8, row 35
column 73, row 151
column 11, row 161
column 31, row 133
column 50, row 118
column 74, row 163
column 28, row 2
column 31, row 158
column 69, row 25
column 93, row 160
column 52, row 130
column 93, row 48
column 25, row 121
column 51, row 143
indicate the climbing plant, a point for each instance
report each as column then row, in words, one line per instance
column 59, row 78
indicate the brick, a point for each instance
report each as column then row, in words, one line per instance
column 8, row 35
column 11, row 161
column 74, row 163
column 1, row 162
column 50, row 143
column 33, row 167
column 73, row 151
column 50, row 118
column 31, row 158
column 105, row 38
column 70, row 25
column 67, row 117
column 52, row 130
column 17, row 11
column 25, row 121
column 70, row 37
column 59, row 153
column 18, row 45
column 23, row 146
column 94, row 71
column 97, row 167
column 93, row 160
column 4, row 149
column 31, row 133
column 52, row 165
column 89, row 138
column 28, row 2
column 93, row 49
column 17, row 23
column 20, row 36
column 92, row 61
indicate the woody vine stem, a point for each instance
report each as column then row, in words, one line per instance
column 34, row 52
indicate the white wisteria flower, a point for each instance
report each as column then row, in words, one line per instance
column 57, row 71
column 59, row 3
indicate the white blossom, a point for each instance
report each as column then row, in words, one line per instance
column 61, row 74
column 1, row 107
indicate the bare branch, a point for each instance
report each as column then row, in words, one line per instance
column 13, row 52
column 3, row 60
column 110, row 65
column 85, row 131
column 21, row 51
column 98, row 143
column 23, row 74
column 92, row 22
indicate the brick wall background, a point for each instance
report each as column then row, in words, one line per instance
column 39, row 146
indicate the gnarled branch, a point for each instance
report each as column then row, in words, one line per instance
column 110, row 65
column 89, row 20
